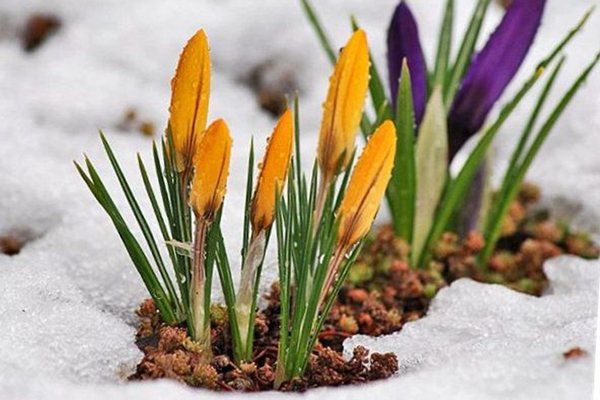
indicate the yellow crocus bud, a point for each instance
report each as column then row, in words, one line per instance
column 190, row 89
column 367, row 186
column 211, row 164
column 342, row 111
column 274, row 169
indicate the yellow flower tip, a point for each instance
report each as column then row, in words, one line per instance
column 342, row 110
column 211, row 163
column 189, row 99
column 274, row 169
column 367, row 186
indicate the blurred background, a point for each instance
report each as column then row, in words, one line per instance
column 69, row 68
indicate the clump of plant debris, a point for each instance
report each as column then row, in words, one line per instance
column 170, row 353
column 382, row 292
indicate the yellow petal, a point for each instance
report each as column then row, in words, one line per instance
column 211, row 163
column 273, row 172
column 367, row 186
column 189, row 99
column 343, row 108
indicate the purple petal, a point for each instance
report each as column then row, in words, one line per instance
column 403, row 42
column 492, row 70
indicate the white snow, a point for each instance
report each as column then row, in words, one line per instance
column 491, row 342
column 67, row 300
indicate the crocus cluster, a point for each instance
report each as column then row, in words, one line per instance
column 318, row 234
column 437, row 110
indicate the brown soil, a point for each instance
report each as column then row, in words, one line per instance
column 169, row 353
column 381, row 294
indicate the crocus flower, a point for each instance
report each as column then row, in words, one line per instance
column 211, row 162
column 343, row 108
column 367, row 186
column 363, row 196
column 403, row 43
column 274, row 169
column 486, row 78
column 493, row 69
column 211, row 170
column 189, row 99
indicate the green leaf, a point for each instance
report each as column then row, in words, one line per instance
column 431, row 169
column 495, row 219
column 133, row 248
column 224, row 269
column 402, row 190
column 139, row 216
column 163, row 230
column 331, row 298
column 444, row 46
column 457, row 188
column 516, row 156
column 513, row 187
column 316, row 24
column 247, row 203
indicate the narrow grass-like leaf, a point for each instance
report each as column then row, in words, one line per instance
column 224, row 269
column 457, row 188
column 401, row 193
column 444, row 46
column 332, row 297
column 343, row 185
column 431, row 169
column 382, row 115
column 181, row 209
column 284, row 245
column 513, row 166
column 516, row 156
column 161, row 183
column 310, row 314
column 297, row 149
column 559, row 48
column 133, row 248
column 314, row 20
column 139, row 216
column 163, row 229
column 516, row 182
column 211, row 250
column 487, row 196
column 249, row 185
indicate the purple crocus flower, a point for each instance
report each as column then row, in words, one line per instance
column 486, row 78
column 403, row 42
column 492, row 70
